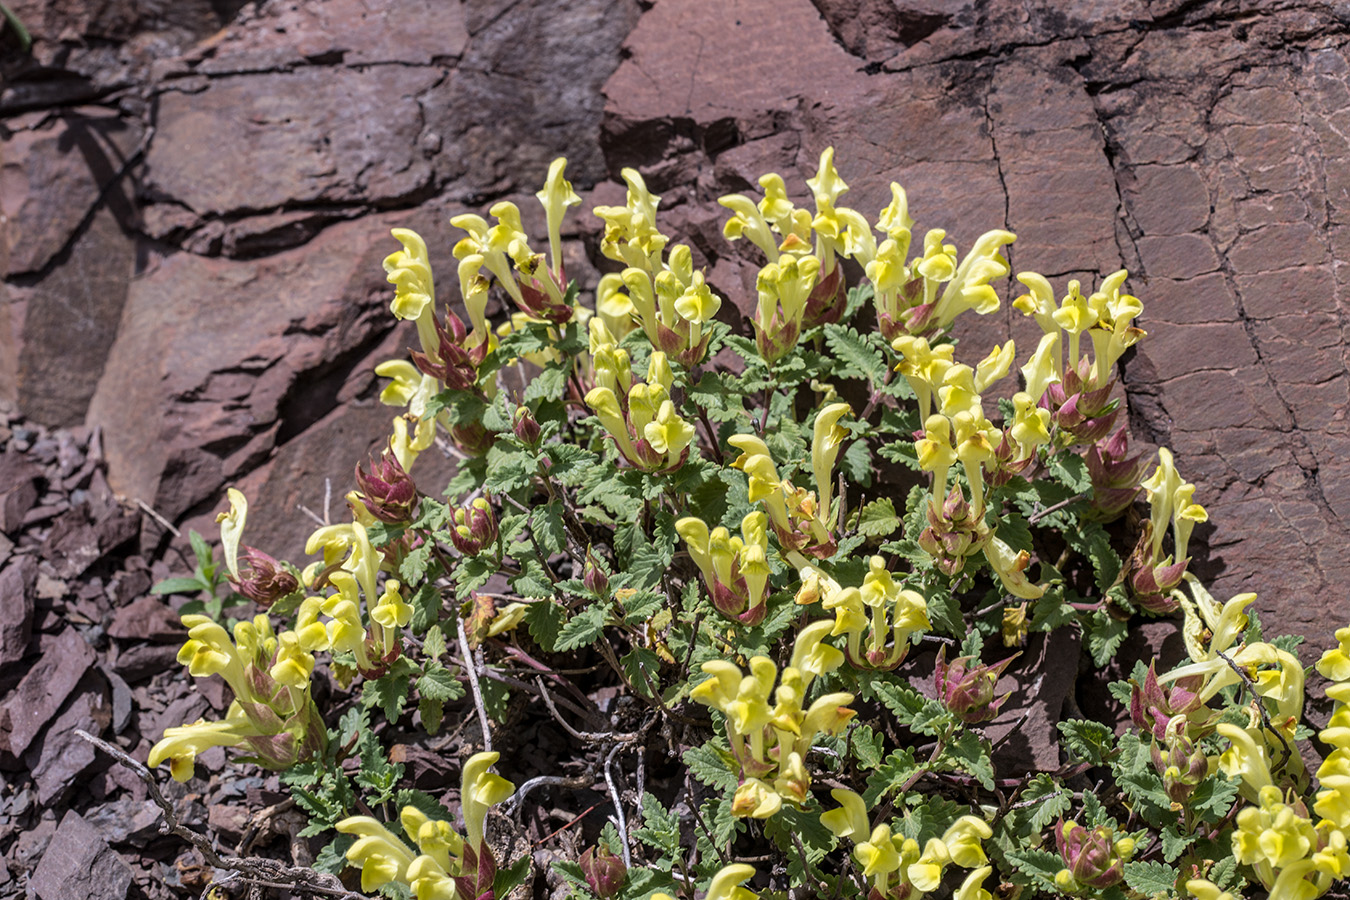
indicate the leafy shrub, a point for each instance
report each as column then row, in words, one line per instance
column 750, row 535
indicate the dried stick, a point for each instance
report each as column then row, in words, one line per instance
column 258, row 871
column 618, row 806
column 471, row 668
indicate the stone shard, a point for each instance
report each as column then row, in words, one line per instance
column 59, row 756
column 79, row 865
column 19, row 479
column 17, row 581
column 147, row 619
column 43, row 690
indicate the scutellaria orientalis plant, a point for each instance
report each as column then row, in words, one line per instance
column 805, row 556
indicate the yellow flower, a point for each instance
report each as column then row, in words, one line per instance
column 971, row 888
column 1042, row 369
column 182, row 744
column 827, row 437
column 409, row 271
column 1247, row 758
column 1009, row 567
column 726, row 883
column 850, row 819
column 480, row 790
column 382, row 857
column 756, row 800
column 926, row 873
column 294, row 665
column 232, row 528
column 556, row 196
column 1335, row 663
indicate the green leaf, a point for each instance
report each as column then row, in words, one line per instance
column 891, row 775
column 1225, row 874
column 643, row 670
column 1136, row 776
column 508, row 468
column 1089, row 741
column 1103, row 635
column 856, row 463
column 548, row 384
column 878, row 518
column 433, row 645
column 1054, row 801
column 1071, row 470
column 1041, row 866
column 970, row 753
column 571, row 463
column 973, row 645
column 495, row 698
column 201, row 550
column 389, row 692
column 911, row 708
column 1174, row 843
column 332, row 859
column 545, row 621
column 713, row 765
column 471, row 574
column 1014, row 531
column 509, row 877
column 438, row 683
column 660, row 829
column 1214, row 797
column 857, row 356
column 432, row 713
column 928, row 817
column 413, row 567
column 867, row 746
column 180, row 586
column 1152, row 879
column 583, row 628
column 426, row 604
column 549, row 528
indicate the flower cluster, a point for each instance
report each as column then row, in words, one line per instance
column 799, row 518
column 879, row 618
column 735, row 569
column 800, row 286
column 639, row 416
column 272, row 716
column 1077, row 390
column 770, row 742
column 1094, row 858
column 445, row 865
column 1152, row 576
column 896, row 866
column 670, row 299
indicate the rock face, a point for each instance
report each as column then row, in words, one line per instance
column 208, row 291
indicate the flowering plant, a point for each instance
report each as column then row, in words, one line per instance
column 805, row 584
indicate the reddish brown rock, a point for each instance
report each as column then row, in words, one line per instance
column 19, row 479
column 147, row 619
column 79, row 865
column 39, row 696
column 17, row 580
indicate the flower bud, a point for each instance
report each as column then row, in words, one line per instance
column 967, row 692
column 595, row 579
column 262, row 579
column 388, row 491
column 605, row 873
column 526, row 428
column 1152, row 707
column 1182, row 764
column 474, row 528
column 1115, row 476
column 1093, row 858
